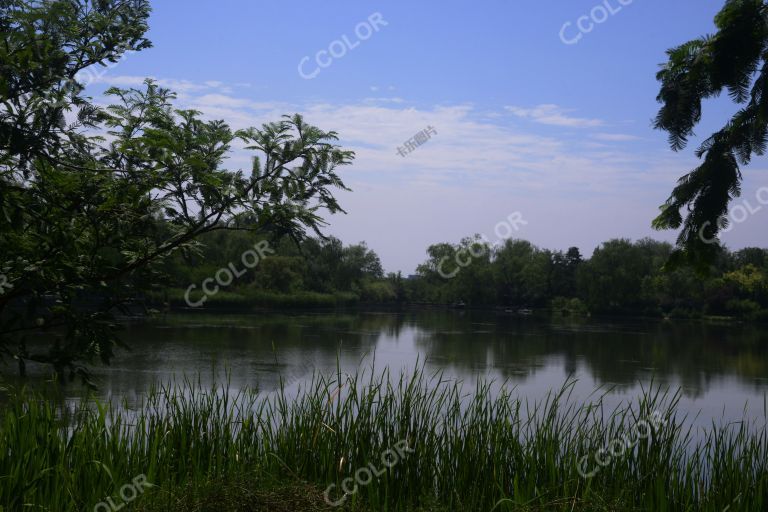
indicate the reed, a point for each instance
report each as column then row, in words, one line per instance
column 480, row 449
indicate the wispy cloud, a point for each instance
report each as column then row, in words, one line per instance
column 180, row 86
column 553, row 115
column 477, row 169
column 471, row 149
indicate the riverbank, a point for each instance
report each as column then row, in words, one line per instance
column 178, row 299
column 359, row 442
column 175, row 299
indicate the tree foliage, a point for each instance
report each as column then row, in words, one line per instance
column 92, row 199
column 621, row 277
column 734, row 60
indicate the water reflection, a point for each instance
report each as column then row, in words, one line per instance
column 716, row 365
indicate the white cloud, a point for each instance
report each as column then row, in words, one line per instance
column 179, row 86
column 470, row 148
column 222, row 100
column 553, row 115
column 475, row 170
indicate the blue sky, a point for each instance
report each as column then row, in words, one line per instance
column 525, row 123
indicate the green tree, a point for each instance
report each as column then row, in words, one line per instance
column 280, row 274
column 457, row 273
column 473, row 255
column 398, row 286
column 522, row 273
column 90, row 208
column 564, row 268
column 358, row 265
column 613, row 279
column 436, row 275
column 733, row 59
column 751, row 256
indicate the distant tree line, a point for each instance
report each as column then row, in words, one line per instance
column 307, row 272
column 621, row 277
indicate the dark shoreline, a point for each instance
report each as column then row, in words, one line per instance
column 225, row 307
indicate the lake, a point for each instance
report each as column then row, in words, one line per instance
column 719, row 367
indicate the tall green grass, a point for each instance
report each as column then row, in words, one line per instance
column 473, row 450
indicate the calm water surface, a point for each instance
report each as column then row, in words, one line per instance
column 719, row 368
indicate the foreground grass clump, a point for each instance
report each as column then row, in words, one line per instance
column 221, row 450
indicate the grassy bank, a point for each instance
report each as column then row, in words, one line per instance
column 247, row 299
column 430, row 445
